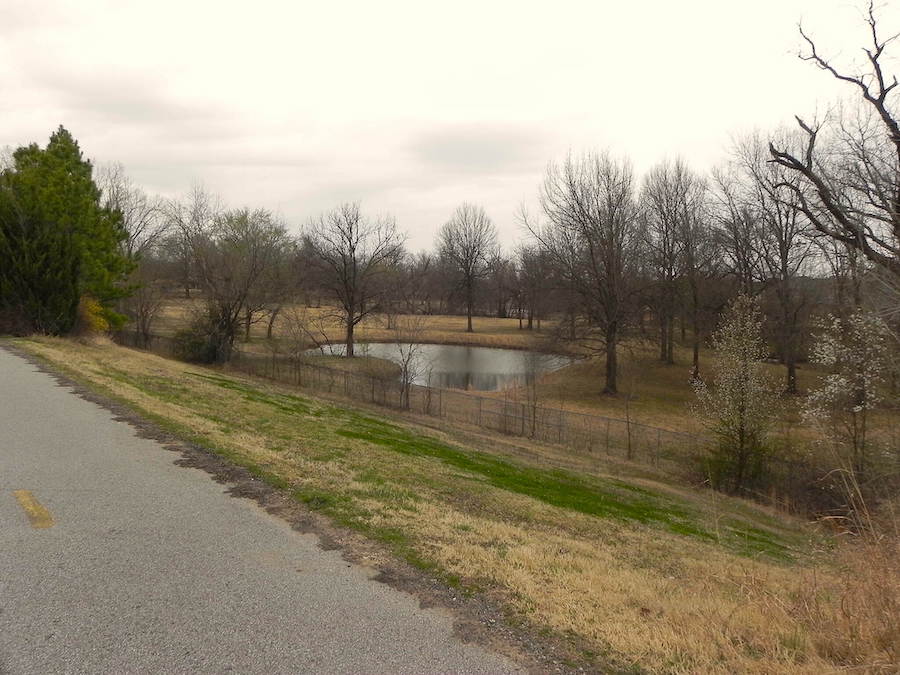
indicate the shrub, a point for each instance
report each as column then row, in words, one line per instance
column 209, row 339
column 739, row 404
column 91, row 317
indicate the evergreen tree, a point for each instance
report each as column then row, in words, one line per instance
column 57, row 243
column 39, row 274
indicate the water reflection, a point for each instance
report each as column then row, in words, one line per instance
column 463, row 367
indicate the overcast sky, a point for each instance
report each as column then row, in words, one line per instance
column 408, row 107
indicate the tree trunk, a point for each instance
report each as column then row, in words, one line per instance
column 695, row 329
column 469, row 303
column 670, row 341
column 663, row 338
column 272, row 316
column 790, row 386
column 612, row 364
column 348, row 342
column 695, row 360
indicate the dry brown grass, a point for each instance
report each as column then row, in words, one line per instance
column 854, row 616
column 651, row 392
column 438, row 329
column 637, row 594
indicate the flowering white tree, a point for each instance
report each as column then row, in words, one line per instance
column 854, row 353
column 739, row 404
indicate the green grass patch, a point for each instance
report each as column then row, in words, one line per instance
column 591, row 496
column 287, row 403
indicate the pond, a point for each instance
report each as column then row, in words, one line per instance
column 463, row 367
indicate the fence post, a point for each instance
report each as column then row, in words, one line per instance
column 534, row 420
column 628, row 437
column 658, row 433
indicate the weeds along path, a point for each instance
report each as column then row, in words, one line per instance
column 629, row 575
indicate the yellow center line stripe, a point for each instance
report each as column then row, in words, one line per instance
column 38, row 516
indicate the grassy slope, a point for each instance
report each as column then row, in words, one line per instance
column 646, row 577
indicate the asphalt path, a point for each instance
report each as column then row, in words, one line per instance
column 115, row 559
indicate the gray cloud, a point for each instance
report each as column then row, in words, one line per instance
column 293, row 107
column 117, row 96
column 481, row 148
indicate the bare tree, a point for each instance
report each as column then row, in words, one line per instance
column 231, row 251
column 850, row 189
column 845, row 267
column 783, row 246
column 533, row 273
column 671, row 199
column 407, row 335
column 402, row 284
column 176, row 250
column 533, row 372
column 151, row 286
column 353, row 254
column 467, row 241
column 591, row 238
column 734, row 229
column 502, row 283
column 146, row 226
column 276, row 284
column 698, row 257
column 143, row 216
column 424, row 285
column 302, row 329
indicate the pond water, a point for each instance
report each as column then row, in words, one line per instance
column 463, row 367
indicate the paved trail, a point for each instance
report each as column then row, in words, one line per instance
column 114, row 559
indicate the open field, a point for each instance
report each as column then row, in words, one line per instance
column 641, row 575
column 439, row 329
column 652, row 392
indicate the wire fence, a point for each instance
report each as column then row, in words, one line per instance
column 796, row 482
column 578, row 432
